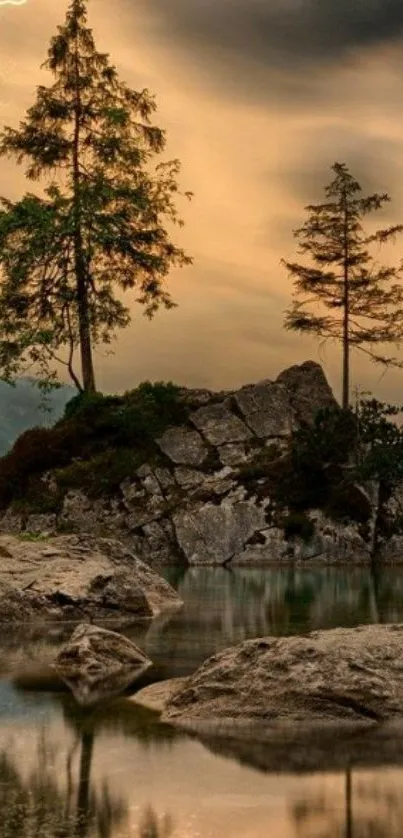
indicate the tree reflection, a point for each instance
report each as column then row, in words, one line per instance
column 36, row 804
column 369, row 810
column 153, row 827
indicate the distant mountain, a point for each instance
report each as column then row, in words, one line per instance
column 21, row 408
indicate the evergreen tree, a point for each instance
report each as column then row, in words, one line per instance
column 364, row 299
column 99, row 229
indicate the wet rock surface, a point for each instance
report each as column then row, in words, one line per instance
column 97, row 664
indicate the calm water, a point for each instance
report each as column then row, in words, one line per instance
column 118, row 773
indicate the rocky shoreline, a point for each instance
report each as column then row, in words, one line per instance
column 71, row 578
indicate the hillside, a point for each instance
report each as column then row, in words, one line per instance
column 20, row 409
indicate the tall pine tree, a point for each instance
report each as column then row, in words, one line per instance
column 364, row 300
column 100, row 228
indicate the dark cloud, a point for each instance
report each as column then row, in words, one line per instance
column 370, row 161
column 277, row 31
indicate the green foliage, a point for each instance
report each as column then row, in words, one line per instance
column 298, row 524
column 149, row 410
column 100, row 475
column 330, row 440
column 316, row 460
column 342, row 449
column 87, row 404
column 380, row 453
column 99, row 230
column 260, row 465
column 32, row 536
column 346, row 501
column 100, row 441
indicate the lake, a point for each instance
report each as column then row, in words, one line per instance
column 117, row 772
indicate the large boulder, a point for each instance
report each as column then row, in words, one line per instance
column 266, row 408
column 308, row 390
column 343, row 676
column 212, row 534
column 97, row 664
column 70, row 578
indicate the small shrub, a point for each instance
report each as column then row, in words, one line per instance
column 101, row 475
column 348, row 502
column 260, row 466
column 32, row 536
column 147, row 412
column 298, row 524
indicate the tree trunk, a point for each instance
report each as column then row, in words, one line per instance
column 349, row 803
column 84, row 785
column 346, row 312
column 87, row 366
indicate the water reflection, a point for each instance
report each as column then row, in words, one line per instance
column 370, row 808
column 224, row 607
column 56, row 797
column 116, row 772
column 151, row 826
column 38, row 804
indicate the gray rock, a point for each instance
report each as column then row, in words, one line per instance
column 233, row 454
column 41, row 523
column 165, row 478
column 211, row 534
column 220, row 482
column 132, row 493
column 81, row 514
column 332, row 541
column 267, row 409
column 11, row 522
column 219, row 425
column 183, row 446
column 308, row 390
column 352, row 676
column 97, row 664
column 189, row 477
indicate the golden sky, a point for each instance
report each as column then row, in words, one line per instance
column 258, row 100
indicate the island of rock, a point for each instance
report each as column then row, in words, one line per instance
column 205, row 492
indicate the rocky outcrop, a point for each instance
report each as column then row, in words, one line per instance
column 97, row 664
column 67, row 577
column 204, row 499
column 341, row 676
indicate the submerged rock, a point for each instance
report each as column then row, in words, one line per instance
column 351, row 676
column 97, row 664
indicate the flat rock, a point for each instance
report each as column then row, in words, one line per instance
column 183, row 446
column 342, row 676
column 156, row 696
column 219, row 425
column 212, row 534
column 266, row 408
column 71, row 577
column 97, row 664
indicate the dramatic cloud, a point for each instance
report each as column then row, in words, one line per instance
column 258, row 98
column 282, row 30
